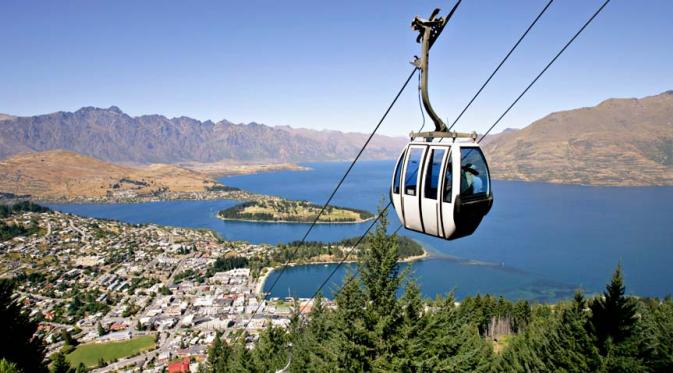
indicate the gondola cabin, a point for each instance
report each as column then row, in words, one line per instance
column 442, row 187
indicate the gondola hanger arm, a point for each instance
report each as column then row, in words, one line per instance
column 429, row 30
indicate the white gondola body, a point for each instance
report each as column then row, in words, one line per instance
column 441, row 188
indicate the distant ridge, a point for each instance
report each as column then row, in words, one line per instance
column 623, row 142
column 111, row 135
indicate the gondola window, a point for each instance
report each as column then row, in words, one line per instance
column 474, row 179
column 411, row 175
column 432, row 173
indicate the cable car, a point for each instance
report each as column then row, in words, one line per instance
column 441, row 185
column 442, row 189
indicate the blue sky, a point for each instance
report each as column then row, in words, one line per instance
column 323, row 64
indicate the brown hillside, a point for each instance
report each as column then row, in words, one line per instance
column 618, row 142
column 60, row 174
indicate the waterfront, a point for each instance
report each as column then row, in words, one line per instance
column 540, row 241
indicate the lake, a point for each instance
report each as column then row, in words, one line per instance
column 539, row 242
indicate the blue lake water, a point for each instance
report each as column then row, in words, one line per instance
column 539, row 242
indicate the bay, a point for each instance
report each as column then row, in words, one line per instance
column 540, row 241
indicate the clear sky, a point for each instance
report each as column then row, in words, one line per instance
column 324, row 64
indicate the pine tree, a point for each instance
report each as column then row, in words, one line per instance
column 413, row 323
column 99, row 328
column 613, row 315
column 240, row 360
column 67, row 338
column 8, row 367
column 218, row 355
column 18, row 343
column 379, row 270
column 657, row 320
column 577, row 351
column 381, row 279
column 59, row 364
column 311, row 350
column 352, row 341
column 450, row 342
column 270, row 353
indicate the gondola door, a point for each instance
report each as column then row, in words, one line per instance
column 450, row 184
column 411, row 187
column 431, row 184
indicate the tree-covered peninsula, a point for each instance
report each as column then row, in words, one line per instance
column 286, row 211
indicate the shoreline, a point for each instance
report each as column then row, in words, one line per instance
column 262, row 279
column 293, row 222
column 239, row 195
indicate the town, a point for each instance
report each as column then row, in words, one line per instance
column 160, row 295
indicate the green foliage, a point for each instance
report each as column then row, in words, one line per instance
column 8, row 367
column 23, row 206
column 292, row 211
column 141, row 282
column 85, row 304
column 165, row 290
column 553, row 341
column 298, row 251
column 9, row 231
column 613, row 315
column 19, row 344
column 221, row 188
column 59, row 364
column 67, row 338
column 228, row 263
column 101, row 331
column 188, row 274
column 371, row 329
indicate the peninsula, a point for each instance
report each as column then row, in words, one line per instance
column 286, row 211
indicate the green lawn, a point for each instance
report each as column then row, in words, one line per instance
column 90, row 353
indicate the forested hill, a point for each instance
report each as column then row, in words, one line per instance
column 111, row 135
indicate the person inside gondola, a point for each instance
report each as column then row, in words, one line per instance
column 467, row 179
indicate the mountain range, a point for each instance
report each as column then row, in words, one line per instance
column 621, row 142
column 112, row 135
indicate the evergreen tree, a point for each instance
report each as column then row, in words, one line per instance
column 353, row 343
column 8, row 367
column 380, row 277
column 218, row 355
column 657, row 320
column 240, row 359
column 613, row 315
column 67, row 338
column 59, row 364
column 449, row 343
column 99, row 328
column 311, row 349
column 18, row 344
column 270, row 353
column 413, row 323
